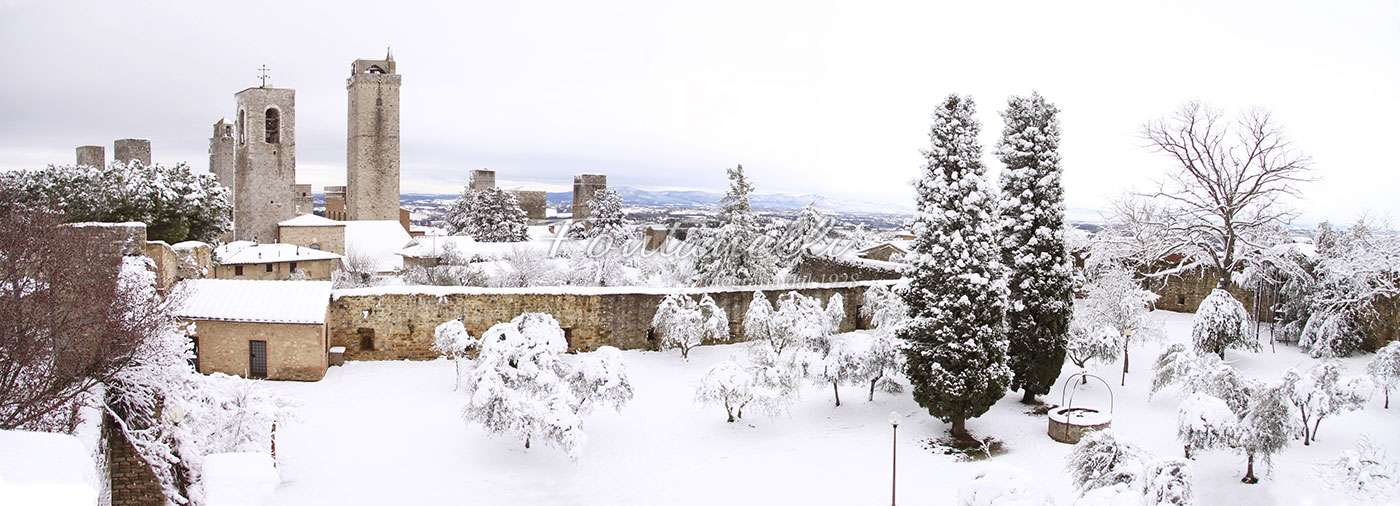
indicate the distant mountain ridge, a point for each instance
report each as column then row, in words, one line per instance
column 767, row 202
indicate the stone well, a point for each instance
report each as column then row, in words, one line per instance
column 1069, row 423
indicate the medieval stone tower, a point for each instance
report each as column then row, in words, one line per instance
column 585, row 185
column 221, row 149
column 372, row 154
column 265, row 164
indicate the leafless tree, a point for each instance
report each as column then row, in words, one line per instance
column 68, row 321
column 1231, row 183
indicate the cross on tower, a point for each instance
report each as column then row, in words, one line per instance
column 262, row 74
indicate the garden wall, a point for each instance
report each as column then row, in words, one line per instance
column 395, row 323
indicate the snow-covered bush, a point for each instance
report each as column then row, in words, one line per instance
column 1104, row 459
column 1352, row 271
column 1221, row 323
column 445, row 275
column 525, row 267
column 1364, row 473
column 884, row 308
column 776, row 377
column 491, row 215
column 835, row 312
column 683, row 323
column 1385, row 369
column 998, row 484
column 1267, row 426
column 1322, row 391
column 519, row 384
column 840, row 365
column 600, row 378
column 799, row 321
column 1204, row 422
column 451, row 340
column 1168, row 483
column 726, row 384
column 1191, row 373
column 758, row 320
column 882, row 363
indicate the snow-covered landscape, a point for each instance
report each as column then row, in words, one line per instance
column 392, row 432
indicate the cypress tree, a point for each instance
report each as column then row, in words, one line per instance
column 956, row 335
column 1033, row 244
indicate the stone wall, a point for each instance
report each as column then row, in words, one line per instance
column 196, row 260
column 167, row 264
column 294, row 351
column 825, row 269
column 397, row 323
column 330, row 237
column 316, row 270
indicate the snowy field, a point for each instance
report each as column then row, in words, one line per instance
column 375, row 433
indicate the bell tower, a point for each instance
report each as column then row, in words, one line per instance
column 372, row 146
column 265, row 162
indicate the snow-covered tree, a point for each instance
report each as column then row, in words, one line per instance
column 599, row 377
column 884, row 308
column 1032, row 213
column 799, row 321
column 736, row 253
column 1192, row 373
column 758, row 320
column 956, row 333
column 517, row 384
column 1222, row 323
column 175, row 203
column 881, row 364
column 726, row 384
column 1364, row 473
column 1322, row 391
column 451, row 340
column 1117, row 301
column 683, row 323
column 605, row 217
column 839, row 365
column 835, row 312
column 1103, row 459
column 807, row 230
column 1384, row 368
column 492, row 215
column 776, row 377
column 1204, row 422
column 1266, row 427
column 1353, row 271
column 1088, row 342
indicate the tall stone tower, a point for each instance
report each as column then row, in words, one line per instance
column 482, row 180
column 584, row 187
column 372, row 149
column 265, row 163
column 221, row 147
column 132, row 151
column 92, row 156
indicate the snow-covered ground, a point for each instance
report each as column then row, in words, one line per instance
column 391, row 433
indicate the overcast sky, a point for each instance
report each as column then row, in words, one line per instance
column 831, row 98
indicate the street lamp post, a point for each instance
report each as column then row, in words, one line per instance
column 895, row 417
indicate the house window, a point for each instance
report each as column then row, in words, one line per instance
column 366, row 338
column 238, row 270
column 273, row 123
column 1180, row 299
column 293, row 268
column 194, row 361
column 316, row 246
column 269, row 267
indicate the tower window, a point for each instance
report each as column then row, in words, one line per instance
column 378, row 101
column 241, row 132
column 274, row 123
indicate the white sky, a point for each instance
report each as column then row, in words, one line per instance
column 819, row 97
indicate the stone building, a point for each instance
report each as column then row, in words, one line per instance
column 584, row 187
column 221, row 152
column 372, row 150
column 335, row 202
column 315, row 232
column 258, row 329
column 481, row 179
column 92, row 156
column 264, row 162
column 302, row 201
column 247, row 260
column 130, row 151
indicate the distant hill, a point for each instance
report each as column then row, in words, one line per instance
column 768, row 202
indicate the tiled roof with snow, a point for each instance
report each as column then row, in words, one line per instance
column 245, row 300
column 248, row 252
column 377, row 241
column 310, row 220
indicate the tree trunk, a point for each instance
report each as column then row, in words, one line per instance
column 1124, row 381
column 730, row 411
column 527, row 440
column 836, row 390
column 872, row 389
column 457, row 365
column 959, row 429
column 1249, row 471
column 1315, row 424
column 1028, row 397
column 1187, row 448
column 1305, row 426
column 1387, row 398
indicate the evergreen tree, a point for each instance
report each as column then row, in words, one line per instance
column 491, row 215
column 1033, row 244
column 737, row 253
column 957, row 294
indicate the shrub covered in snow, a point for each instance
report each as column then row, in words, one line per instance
column 1002, row 485
column 1322, row 391
column 1363, row 472
column 1104, row 459
column 1266, row 428
column 1221, row 323
column 451, row 340
column 1204, row 422
column 726, row 384
column 1385, row 369
column 683, row 323
column 1168, row 483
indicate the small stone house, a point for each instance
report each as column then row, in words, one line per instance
column 249, row 260
column 258, row 329
column 315, row 232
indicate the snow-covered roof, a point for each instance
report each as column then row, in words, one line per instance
column 248, row 252
column 311, row 220
column 900, row 245
column 443, row 291
column 432, row 246
column 45, row 468
column 378, row 241
column 189, row 245
column 245, row 300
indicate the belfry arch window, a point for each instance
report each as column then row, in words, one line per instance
column 273, row 125
column 242, row 138
column 374, row 69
